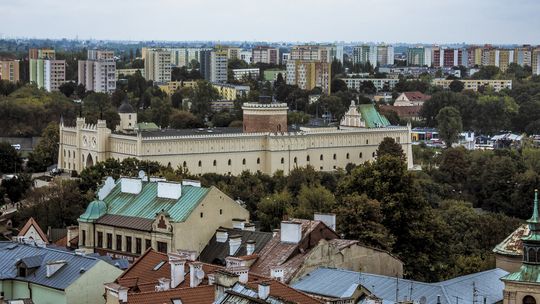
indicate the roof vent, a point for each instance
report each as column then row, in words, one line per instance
column 169, row 190
column 130, row 185
column 54, row 266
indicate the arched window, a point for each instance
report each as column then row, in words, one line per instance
column 184, row 164
column 200, row 163
column 69, row 154
column 215, row 162
column 243, row 161
column 282, row 160
column 321, row 158
column 532, row 255
column 229, row 162
column 347, row 156
column 129, row 116
column 295, row 160
column 367, row 141
column 307, row 158
column 529, row 300
column 360, row 155
column 335, row 156
column 258, row 160
column 373, row 154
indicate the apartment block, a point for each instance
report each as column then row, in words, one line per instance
column 157, row 65
column 9, row 70
column 218, row 66
column 98, row 73
column 475, row 84
column 265, row 54
column 309, row 74
column 449, row 57
column 385, row 55
column 241, row 74
column 535, row 61
column 230, row 91
column 381, row 84
column 419, row 56
column 323, row 53
column 45, row 71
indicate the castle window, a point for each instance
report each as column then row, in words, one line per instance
column 367, row 141
column 282, row 160
column 360, row 155
column 373, row 154
column 295, row 160
column 258, row 160
column 148, row 244
column 321, row 158
column 118, row 242
column 335, row 157
column 184, row 164
column 243, row 161
column 529, row 300
column 229, row 162
column 100, row 239
column 202, row 214
column 200, row 163
column 347, row 156
column 215, row 162
column 307, row 158
column 129, row 117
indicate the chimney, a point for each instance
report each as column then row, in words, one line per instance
column 238, row 223
column 438, row 299
column 130, row 185
column 221, row 235
column 193, row 183
column 72, row 232
column 234, row 243
column 275, row 232
column 249, row 227
column 169, row 190
column 211, row 279
column 163, row 284
column 53, row 266
column 263, row 290
column 250, row 247
column 189, row 255
column 243, row 274
column 123, row 294
column 224, row 280
column 291, row 232
column 196, row 274
column 107, row 187
column 329, row 219
column 177, row 263
column 277, row 273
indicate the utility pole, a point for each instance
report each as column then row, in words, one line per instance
column 475, row 293
column 397, row 288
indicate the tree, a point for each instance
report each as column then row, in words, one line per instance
column 80, row 91
column 201, row 96
column 10, row 160
column 118, row 96
column 338, row 85
column 46, row 151
column 16, row 187
column 456, row 86
column 449, row 124
column 68, row 88
column 272, row 209
column 389, row 147
column 313, row 199
column 176, row 99
column 494, row 113
column 184, row 120
column 360, row 218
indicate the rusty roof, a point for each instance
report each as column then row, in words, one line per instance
column 195, row 295
column 416, row 96
column 513, row 245
column 403, row 111
column 122, row 221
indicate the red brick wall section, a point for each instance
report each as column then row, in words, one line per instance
column 265, row 123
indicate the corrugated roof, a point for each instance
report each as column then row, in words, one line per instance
column 147, row 204
column 339, row 283
column 372, row 118
column 122, row 221
column 216, row 251
column 11, row 253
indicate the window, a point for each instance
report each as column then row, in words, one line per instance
column 109, row 240
column 138, row 245
column 295, row 160
column 532, row 255
column 118, row 242
column 184, row 164
column 335, row 156
column 100, row 239
column 148, row 244
column 243, row 161
column 282, row 160
column 347, row 156
column 360, row 155
column 321, row 158
column 84, row 237
column 202, row 214
column 162, row 247
column 398, row 139
column 220, row 211
column 215, row 163
column 373, row 154
column 307, row 158
column 229, row 162
column 128, row 244
column 22, row 271
column 529, row 300
column 367, row 141
column 158, row 265
column 200, row 163
column 258, row 160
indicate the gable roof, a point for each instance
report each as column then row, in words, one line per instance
column 146, row 204
column 13, row 253
column 403, row 111
column 195, row 295
column 339, row 283
column 372, row 118
column 32, row 223
column 416, row 96
column 513, row 245
column 290, row 256
column 216, row 252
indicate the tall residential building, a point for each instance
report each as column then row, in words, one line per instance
column 535, row 61
column 45, row 71
column 204, row 64
column 157, row 65
column 506, row 57
column 365, row 53
column 218, row 66
column 419, row 56
column 324, row 53
column 265, row 54
column 308, row 74
column 233, row 52
column 449, row 57
column 247, row 56
column 98, row 72
column 474, row 56
column 385, row 55
column 523, row 55
column 9, row 70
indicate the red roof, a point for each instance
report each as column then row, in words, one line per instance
column 32, row 223
column 196, row 295
column 403, row 111
column 416, row 96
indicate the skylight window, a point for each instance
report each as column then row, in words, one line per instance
column 158, row 266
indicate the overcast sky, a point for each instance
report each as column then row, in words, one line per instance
column 426, row 21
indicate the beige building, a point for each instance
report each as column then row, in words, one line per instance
column 9, row 70
column 309, row 74
column 173, row 86
column 231, row 91
column 536, row 61
column 230, row 150
column 127, row 72
column 131, row 215
column 475, row 84
column 157, row 65
column 98, row 72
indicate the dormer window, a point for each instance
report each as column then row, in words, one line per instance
column 21, row 271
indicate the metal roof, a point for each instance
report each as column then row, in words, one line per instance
column 146, row 204
column 339, row 283
column 372, row 118
column 13, row 253
column 122, row 221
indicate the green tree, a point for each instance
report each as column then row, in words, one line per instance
column 313, row 199
column 184, row 120
column 68, row 88
column 456, row 86
column 388, row 146
column 10, row 160
column 449, row 125
column 272, row 209
column 201, row 96
column 46, row 151
column 15, row 188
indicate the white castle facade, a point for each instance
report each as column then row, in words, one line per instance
column 228, row 150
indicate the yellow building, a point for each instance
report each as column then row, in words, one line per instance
column 127, row 72
column 309, row 74
column 231, row 91
column 9, row 70
column 172, row 86
column 475, row 84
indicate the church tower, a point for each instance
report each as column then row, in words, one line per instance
column 523, row 287
column 128, row 117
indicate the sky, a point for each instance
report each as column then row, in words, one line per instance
column 390, row 21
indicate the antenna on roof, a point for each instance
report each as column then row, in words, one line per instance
column 397, row 288
column 475, row 293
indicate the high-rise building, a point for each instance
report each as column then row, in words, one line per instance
column 474, row 56
column 419, row 56
column 218, row 66
column 308, row 74
column 204, row 64
column 324, row 53
column 385, row 55
column 523, row 55
column 97, row 73
column 363, row 54
column 449, row 57
column 535, row 61
column 247, row 56
column 45, row 71
column 265, row 54
column 9, row 70
column 157, row 65
column 233, row 52
column 506, row 57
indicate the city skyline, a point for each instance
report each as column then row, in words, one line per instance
column 392, row 21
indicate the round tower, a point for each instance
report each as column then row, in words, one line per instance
column 128, row 117
column 271, row 117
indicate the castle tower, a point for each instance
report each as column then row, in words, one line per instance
column 523, row 287
column 260, row 117
column 128, row 117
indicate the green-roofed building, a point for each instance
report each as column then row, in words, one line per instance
column 523, row 286
column 131, row 215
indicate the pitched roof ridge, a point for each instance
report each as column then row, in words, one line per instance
column 32, row 222
column 136, row 262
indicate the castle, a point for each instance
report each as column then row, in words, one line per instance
column 265, row 143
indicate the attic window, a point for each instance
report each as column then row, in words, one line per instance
column 22, row 271
column 158, row 266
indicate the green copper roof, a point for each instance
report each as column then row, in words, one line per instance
column 534, row 222
column 372, row 118
column 147, row 126
column 95, row 210
column 147, row 204
column 527, row 273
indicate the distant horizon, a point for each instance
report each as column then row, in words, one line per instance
column 498, row 22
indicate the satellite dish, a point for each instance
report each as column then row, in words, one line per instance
column 200, row 274
column 423, row 300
